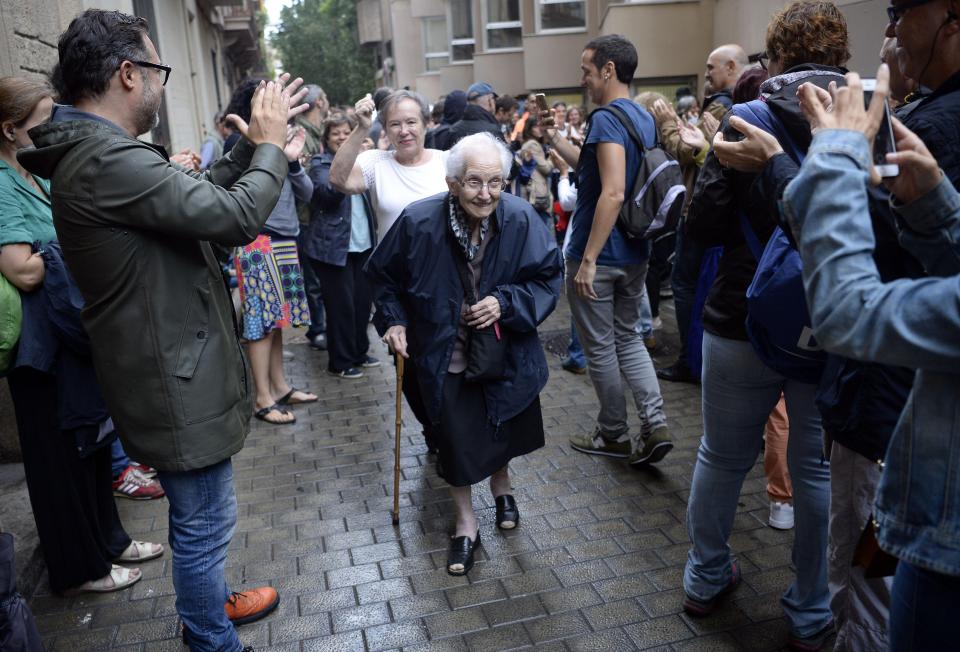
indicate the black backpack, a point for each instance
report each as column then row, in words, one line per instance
column 654, row 204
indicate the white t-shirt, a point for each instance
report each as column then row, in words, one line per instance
column 394, row 186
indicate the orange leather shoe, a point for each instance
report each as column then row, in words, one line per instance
column 251, row 605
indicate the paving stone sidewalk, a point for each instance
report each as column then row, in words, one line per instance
column 595, row 565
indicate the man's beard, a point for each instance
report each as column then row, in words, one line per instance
column 148, row 113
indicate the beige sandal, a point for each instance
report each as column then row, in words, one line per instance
column 140, row 551
column 118, row 578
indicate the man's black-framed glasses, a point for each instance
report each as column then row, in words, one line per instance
column 158, row 66
column 895, row 12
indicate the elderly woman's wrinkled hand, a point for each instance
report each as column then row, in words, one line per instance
column 364, row 109
column 396, row 339
column 483, row 313
column 750, row 154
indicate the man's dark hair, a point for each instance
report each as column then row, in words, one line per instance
column 436, row 114
column 92, row 49
column 683, row 91
column 506, row 103
column 241, row 98
column 619, row 50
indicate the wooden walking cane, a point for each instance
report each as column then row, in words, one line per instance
column 396, row 449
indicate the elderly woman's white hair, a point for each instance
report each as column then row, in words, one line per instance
column 457, row 158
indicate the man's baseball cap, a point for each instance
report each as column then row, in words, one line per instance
column 479, row 89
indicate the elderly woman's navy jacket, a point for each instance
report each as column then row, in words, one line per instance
column 415, row 275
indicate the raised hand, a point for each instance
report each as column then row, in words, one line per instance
column 364, row 109
column 272, row 106
column 709, row 124
column 663, row 112
column 296, row 137
column 691, row 136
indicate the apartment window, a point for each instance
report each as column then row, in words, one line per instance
column 461, row 30
column 556, row 15
column 435, row 51
column 503, row 27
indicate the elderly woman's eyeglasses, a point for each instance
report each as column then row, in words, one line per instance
column 474, row 184
column 760, row 57
column 895, row 12
column 146, row 64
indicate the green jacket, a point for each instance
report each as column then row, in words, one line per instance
column 136, row 233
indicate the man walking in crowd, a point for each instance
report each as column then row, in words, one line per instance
column 506, row 108
column 312, row 123
column 136, row 234
column 478, row 116
column 606, row 271
column 724, row 66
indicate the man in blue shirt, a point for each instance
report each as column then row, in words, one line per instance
column 606, row 270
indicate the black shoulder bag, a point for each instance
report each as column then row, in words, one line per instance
column 486, row 349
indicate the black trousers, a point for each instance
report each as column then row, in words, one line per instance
column 346, row 299
column 72, row 497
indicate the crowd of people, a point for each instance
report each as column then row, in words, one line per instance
column 814, row 303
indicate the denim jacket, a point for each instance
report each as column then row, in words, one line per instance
column 909, row 322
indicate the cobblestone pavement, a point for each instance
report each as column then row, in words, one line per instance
column 595, row 564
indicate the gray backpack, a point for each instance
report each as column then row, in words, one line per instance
column 653, row 206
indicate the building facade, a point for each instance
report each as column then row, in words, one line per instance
column 435, row 46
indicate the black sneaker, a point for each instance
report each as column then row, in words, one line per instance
column 370, row 361
column 352, row 372
column 702, row 608
column 813, row 642
column 319, row 342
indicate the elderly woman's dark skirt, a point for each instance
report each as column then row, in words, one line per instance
column 471, row 448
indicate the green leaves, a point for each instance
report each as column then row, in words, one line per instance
column 317, row 40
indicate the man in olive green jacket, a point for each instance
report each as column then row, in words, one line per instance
column 137, row 235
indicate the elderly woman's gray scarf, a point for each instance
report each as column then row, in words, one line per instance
column 460, row 225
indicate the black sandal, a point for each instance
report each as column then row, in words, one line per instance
column 461, row 554
column 286, row 399
column 262, row 413
column 508, row 516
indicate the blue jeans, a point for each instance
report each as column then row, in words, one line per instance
column 645, row 325
column 119, row 460
column 575, row 349
column 924, row 609
column 739, row 392
column 311, row 285
column 203, row 516
column 686, row 272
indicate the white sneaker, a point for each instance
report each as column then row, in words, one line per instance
column 657, row 323
column 781, row 515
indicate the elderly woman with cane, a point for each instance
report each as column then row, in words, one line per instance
column 465, row 277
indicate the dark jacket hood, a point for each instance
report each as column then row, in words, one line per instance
column 453, row 106
column 476, row 112
column 780, row 94
column 68, row 127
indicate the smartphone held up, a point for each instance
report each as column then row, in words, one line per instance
column 884, row 143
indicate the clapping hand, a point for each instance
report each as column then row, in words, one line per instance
column 709, row 124
column 691, row 136
column 272, row 107
column 663, row 113
column 296, row 138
